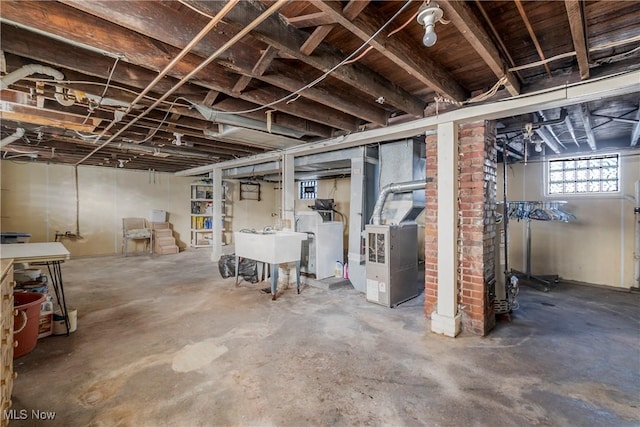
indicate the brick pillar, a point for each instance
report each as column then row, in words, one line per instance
column 478, row 166
column 431, row 227
column 476, row 225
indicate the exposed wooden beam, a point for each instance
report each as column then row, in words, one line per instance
column 265, row 61
column 465, row 20
column 315, row 39
column 210, row 98
column 311, row 20
column 258, row 69
column 578, row 34
column 350, row 11
column 400, row 52
column 635, row 134
column 173, row 118
column 532, row 34
column 138, row 49
column 40, row 48
column 496, row 35
column 288, row 40
column 243, row 58
column 241, row 84
column 588, row 128
column 353, row 8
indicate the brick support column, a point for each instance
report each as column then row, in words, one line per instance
column 478, row 166
column 476, row 226
column 431, row 227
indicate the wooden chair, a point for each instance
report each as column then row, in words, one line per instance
column 136, row 229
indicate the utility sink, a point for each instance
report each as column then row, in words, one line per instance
column 273, row 247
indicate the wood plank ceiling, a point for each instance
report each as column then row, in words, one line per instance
column 304, row 71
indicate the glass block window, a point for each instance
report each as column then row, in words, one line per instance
column 308, row 189
column 584, row 175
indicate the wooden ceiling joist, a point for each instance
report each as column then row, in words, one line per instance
column 145, row 52
column 532, row 34
column 289, row 39
column 40, row 48
column 399, row 51
column 241, row 58
column 578, row 34
column 466, row 22
column 350, row 11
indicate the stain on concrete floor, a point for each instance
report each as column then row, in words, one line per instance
column 165, row 341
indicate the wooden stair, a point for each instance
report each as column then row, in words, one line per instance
column 163, row 241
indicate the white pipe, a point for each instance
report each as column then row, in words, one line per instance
column 637, row 229
column 27, row 70
column 19, row 133
column 403, row 187
column 30, row 69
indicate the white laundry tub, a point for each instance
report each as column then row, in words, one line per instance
column 274, row 247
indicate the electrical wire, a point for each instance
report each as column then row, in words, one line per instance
column 106, row 87
column 325, row 74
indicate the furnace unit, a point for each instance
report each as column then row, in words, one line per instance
column 392, row 263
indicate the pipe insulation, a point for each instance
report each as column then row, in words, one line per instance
column 19, row 133
column 402, row 187
column 30, row 69
column 636, row 253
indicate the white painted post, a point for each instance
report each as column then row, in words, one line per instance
column 216, row 227
column 446, row 319
column 288, row 192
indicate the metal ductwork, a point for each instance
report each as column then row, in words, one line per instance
column 19, row 133
column 164, row 152
column 403, row 187
column 243, row 122
column 30, row 69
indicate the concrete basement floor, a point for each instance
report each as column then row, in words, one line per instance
column 165, row 341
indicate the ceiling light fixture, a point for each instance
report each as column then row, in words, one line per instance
column 428, row 15
column 178, row 140
column 538, row 146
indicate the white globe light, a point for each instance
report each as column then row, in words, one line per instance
column 430, row 38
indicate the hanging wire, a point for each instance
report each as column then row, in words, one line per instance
column 106, row 87
column 324, row 75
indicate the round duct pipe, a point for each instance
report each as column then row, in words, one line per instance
column 402, row 187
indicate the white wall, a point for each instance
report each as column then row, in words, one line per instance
column 251, row 214
column 40, row 199
column 596, row 248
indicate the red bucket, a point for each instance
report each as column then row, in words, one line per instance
column 26, row 321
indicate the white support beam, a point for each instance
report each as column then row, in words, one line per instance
column 569, row 125
column 563, row 96
column 288, row 192
column 548, row 139
column 216, row 228
column 588, row 128
column 635, row 135
column 446, row 319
